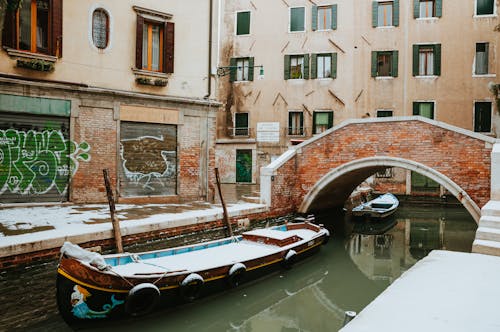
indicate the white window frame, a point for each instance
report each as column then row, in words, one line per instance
column 474, row 115
column 109, row 47
column 426, row 101
column 392, row 14
column 236, row 23
column 429, row 76
column 297, row 56
column 331, row 17
column 303, row 124
column 383, row 110
column 243, row 70
column 326, row 55
column 487, row 15
column 290, row 19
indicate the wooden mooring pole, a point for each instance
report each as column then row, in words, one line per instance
column 224, row 210
column 111, row 201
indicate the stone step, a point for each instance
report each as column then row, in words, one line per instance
column 250, row 199
column 492, row 208
column 489, row 222
column 488, row 233
column 486, row 247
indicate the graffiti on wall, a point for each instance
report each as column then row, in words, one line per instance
column 34, row 162
column 148, row 161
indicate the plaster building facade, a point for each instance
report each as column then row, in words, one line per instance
column 327, row 61
column 92, row 85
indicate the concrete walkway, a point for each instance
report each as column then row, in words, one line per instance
column 25, row 229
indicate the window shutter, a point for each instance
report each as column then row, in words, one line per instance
column 334, row 65
column 334, row 17
column 168, row 47
column 290, row 121
column 314, row 123
column 314, row 18
column 250, row 68
column 416, row 8
column 374, row 14
column 301, row 130
column 415, row 60
column 56, row 26
column 232, row 70
column 437, row 59
column 395, row 13
column 394, row 69
column 138, row 42
column 439, row 8
column 314, row 66
column 330, row 119
column 287, row 67
column 374, row 64
column 9, row 37
column 306, row 66
column 416, row 108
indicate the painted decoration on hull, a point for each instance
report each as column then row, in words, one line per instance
column 81, row 309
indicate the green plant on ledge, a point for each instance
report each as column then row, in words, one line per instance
column 36, row 64
column 161, row 82
column 143, row 80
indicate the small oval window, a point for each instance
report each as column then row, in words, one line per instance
column 100, row 28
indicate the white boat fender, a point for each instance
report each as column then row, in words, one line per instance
column 289, row 259
column 327, row 236
column 142, row 299
column 191, row 286
column 235, row 274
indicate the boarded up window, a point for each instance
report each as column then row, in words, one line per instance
column 148, row 159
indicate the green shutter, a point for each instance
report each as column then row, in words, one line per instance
column 334, row 17
column 416, row 108
column 394, row 69
column 334, row 65
column 232, row 70
column 306, row 66
column 374, row 64
column 243, row 23
column 314, row 66
column 287, row 67
column 330, row 119
column 437, row 59
column 250, row 68
column 439, row 8
column 314, row 18
column 314, row 124
column 395, row 13
column 374, row 14
column 416, row 8
column 415, row 60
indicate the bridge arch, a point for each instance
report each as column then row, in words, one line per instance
column 368, row 166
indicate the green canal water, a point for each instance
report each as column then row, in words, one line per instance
column 347, row 274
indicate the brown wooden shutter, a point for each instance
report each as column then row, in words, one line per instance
column 9, row 30
column 168, row 47
column 56, row 37
column 138, row 42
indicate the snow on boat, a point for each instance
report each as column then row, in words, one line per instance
column 379, row 207
column 92, row 286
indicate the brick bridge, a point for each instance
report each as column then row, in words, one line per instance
column 323, row 171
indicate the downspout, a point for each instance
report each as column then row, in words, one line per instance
column 209, row 76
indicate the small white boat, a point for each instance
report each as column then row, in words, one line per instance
column 380, row 207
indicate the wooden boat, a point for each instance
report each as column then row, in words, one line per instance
column 380, row 207
column 91, row 286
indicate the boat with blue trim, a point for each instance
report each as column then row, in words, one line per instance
column 380, row 207
column 91, row 286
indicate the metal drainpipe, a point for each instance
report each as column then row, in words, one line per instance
column 209, row 92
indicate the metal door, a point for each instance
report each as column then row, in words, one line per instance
column 244, row 166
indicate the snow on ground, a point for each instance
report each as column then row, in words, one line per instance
column 445, row 291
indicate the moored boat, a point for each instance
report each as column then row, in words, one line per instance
column 380, row 207
column 91, row 286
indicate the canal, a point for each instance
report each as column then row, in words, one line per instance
column 347, row 274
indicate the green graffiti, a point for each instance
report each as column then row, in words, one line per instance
column 33, row 162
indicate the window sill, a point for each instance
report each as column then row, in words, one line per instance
column 303, row 31
column 483, row 75
column 242, row 81
column 428, row 19
column 432, row 77
column 485, row 16
column 28, row 55
column 145, row 77
column 385, row 27
column 383, row 78
column 155, row 74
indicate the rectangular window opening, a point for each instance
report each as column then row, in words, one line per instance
column 243, row 23
column 295, row 123
column 325, row 18
column 482, row 50
column 482, row 117
column 297, row 19
column 296, row 66
column 385, row 14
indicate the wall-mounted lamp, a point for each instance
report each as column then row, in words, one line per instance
column 223, row 71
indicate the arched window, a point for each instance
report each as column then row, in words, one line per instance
column 100, row 28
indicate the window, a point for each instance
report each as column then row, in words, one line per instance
column 35, row 27
column 322, row 121
column 242, row 23
column 240, row 124
column 485, row 7
column 384, row 113
column 324, row 65
column 425, row 109
column 297, row 19
column 297, row 66
column 482, row 116
column 481, row 66
column 385, row 64
column 324, row 17
column 242, row 69
column 296, row 123
column 426, row 60
column 385, row 174
column 385, row 13
column 154, row 41
column 100, row 28
column 427, row 8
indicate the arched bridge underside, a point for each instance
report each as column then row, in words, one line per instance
column 323, row 171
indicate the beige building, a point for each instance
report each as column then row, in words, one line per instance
column 328, row 61
column 123, row 85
